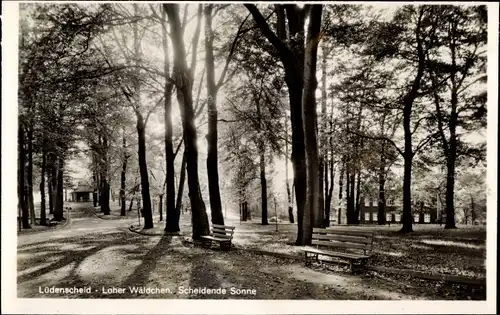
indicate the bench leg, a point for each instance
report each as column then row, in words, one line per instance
column 307, row 259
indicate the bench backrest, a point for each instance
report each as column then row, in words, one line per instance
column 341, row 238
column 222, row 231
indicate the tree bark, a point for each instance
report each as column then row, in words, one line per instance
column 263, row 184
column 59, row 200
column 29, row 176
column 43, row 214
column 180, row 189
column 328, row 202
column 143, row 169
column 21, row 178
column 288, row 192
column 131, row 204
column 341, row 184
column 49, row 184
column 212, row 154
column 104, row 176
column 358, row 198
column 184, row 83
column 160, row 207
column 381, row 191
column 123, row 177
column 313, row 211
column 172, row 215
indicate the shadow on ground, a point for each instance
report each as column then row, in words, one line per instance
column 116, row 263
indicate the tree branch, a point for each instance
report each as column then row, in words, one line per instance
column 230, row 56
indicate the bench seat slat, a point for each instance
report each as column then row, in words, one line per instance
column 341, row 231
column 222, row 231
column 341, row 244
column 336, row 254
column 352, row 239
column 217, row 239
column 222, row 236
column 227, row 227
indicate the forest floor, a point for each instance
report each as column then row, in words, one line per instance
column 105, row 255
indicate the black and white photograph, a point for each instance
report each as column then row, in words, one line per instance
column 245, row 153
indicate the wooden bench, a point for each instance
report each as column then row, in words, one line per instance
column 221, row 234
column 356, row 246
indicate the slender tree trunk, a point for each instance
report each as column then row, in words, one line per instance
column 29, row 176
column 131, row 204
column 329, row 193
column 59, row 200
column 21, row 178
column 180, row 189
column 184, row 83
column 105, row 208
column 381, row 186
column 53, row 178
column 49, row 185
column 381, row 196
column 288, row 192
column 212, row 154
column 450, row 193
column 123, row 178
column 452, row 152
column 143, row 169
column 43, row 215
column 351, row 185
column 408, row 157
column 358, row 198
column 160, row 207
column 341, row 184
column 263, row 184
column 472, row 209
column 172, row 215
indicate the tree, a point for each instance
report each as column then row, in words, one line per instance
column 291, row 50
column 184, row 82
column 464, row 38
column 212, row 90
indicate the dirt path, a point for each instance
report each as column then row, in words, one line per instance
column 106, row 260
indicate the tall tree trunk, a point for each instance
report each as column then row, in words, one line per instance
column 49, row 185
column 292, row 57
column 288, row 192
column 184, row 83
column 21, row 178
column 313, row 211
column 408, row 158
column 263, row 184
column 323, row 157
column 358, row 198
column 143, row 169
column 452, row 151
column 381, row 193
column 212, row 158
column 341, row 184
column 180, row 189
column 123, row 178
column 29, row 176
column 43, row 214
column 472, row 209
column 160, row 207
column 59, row 200
column 104, row 176
column 350, row 189
column 131, row 204
column 329, row 193
column 53, row 181
column 172, row 215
